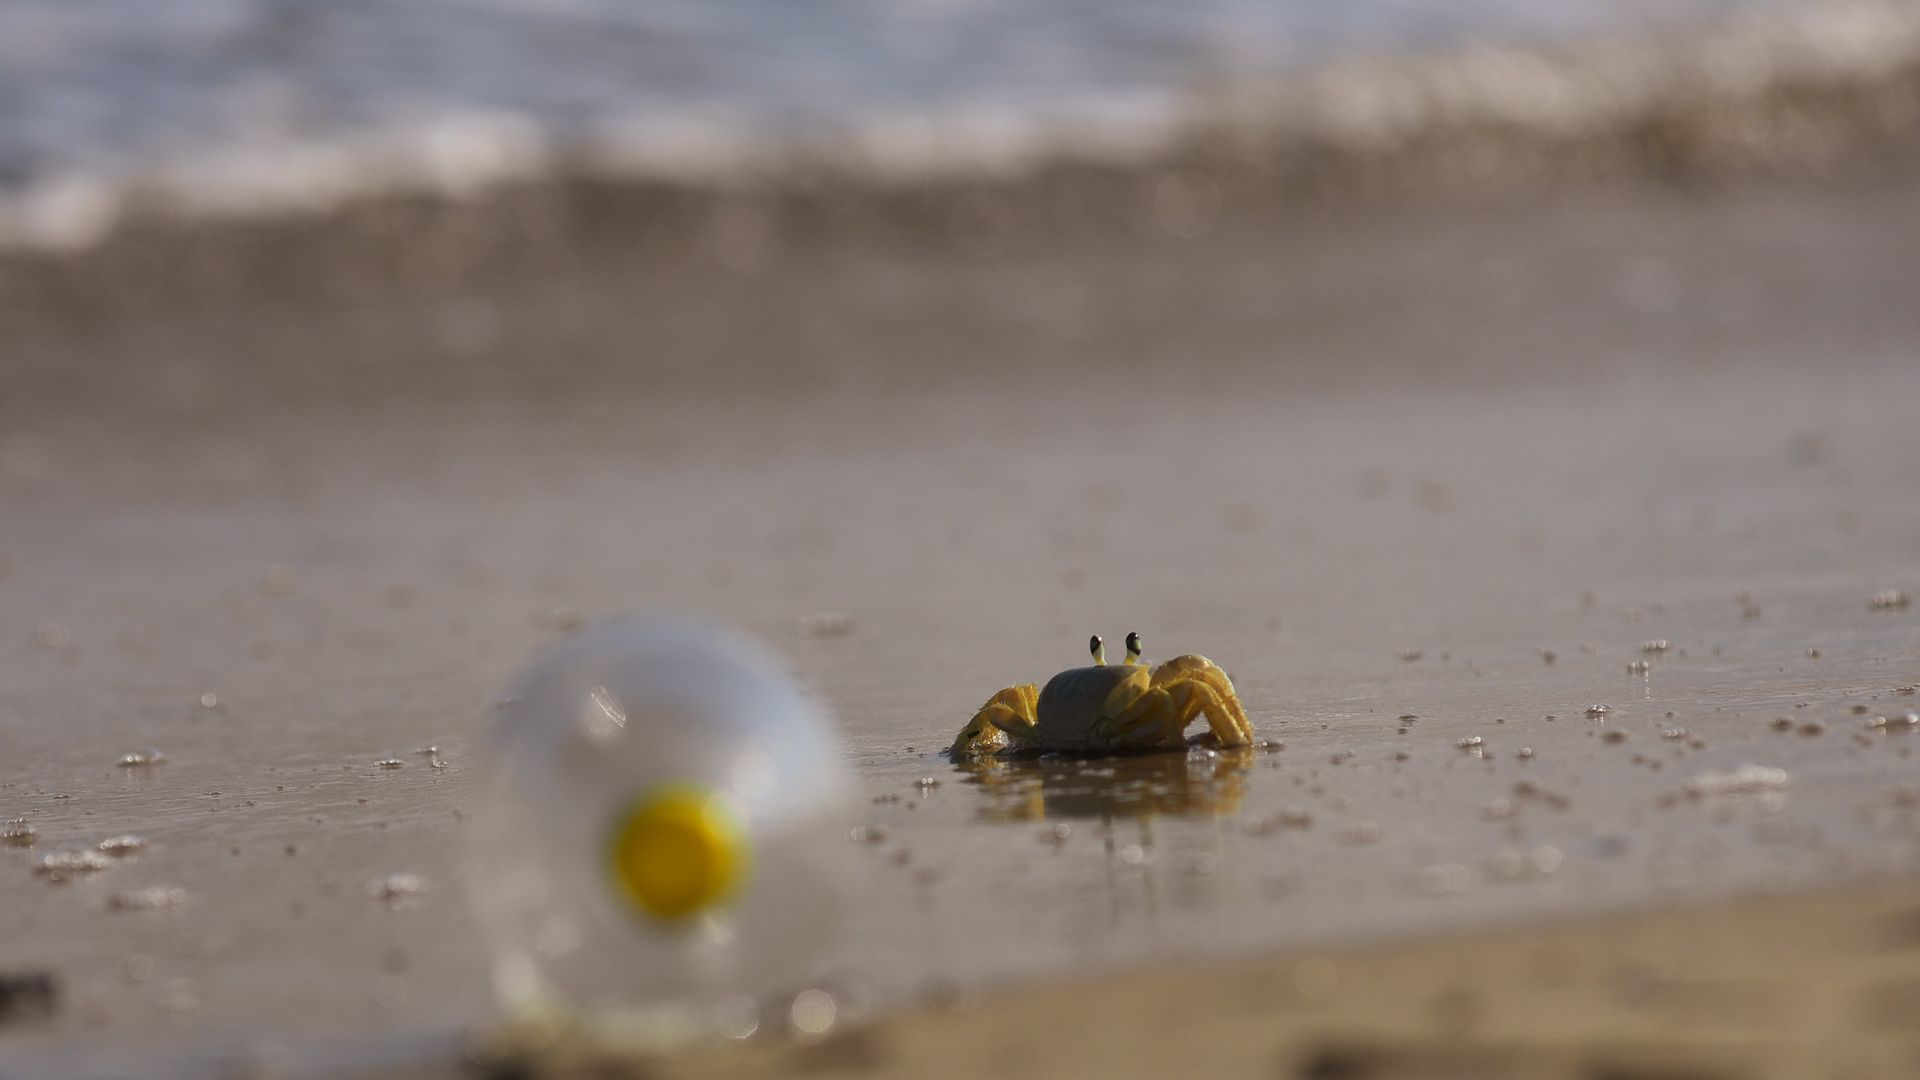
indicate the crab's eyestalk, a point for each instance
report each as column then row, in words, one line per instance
column 1133, row 648
column 1098, row 648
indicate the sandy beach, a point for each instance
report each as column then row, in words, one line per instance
column 1558, row 542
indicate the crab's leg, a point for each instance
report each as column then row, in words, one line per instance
column 1136, row 714
column 1152, row 718
column 1194, row 696
column 1201, row 669
column 1174, row 705
column 1007, row 719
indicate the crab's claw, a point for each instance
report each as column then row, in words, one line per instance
column 977, row 739
column 1005, row 720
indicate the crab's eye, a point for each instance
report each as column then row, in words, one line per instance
column 1098, row 648
column 1133, row 646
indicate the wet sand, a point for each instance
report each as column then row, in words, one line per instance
column 1808, row 987
column 1415, row 475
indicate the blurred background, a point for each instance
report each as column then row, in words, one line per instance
column 1515, row 398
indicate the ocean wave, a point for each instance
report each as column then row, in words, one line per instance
column 1769, row 86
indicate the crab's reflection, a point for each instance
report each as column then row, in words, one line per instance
column 1199, row 783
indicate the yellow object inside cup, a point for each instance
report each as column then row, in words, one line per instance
column 678, row 852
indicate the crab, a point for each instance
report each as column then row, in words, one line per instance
column 1119, row 708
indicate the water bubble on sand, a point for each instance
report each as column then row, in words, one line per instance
column 18, row 832
column 1512, row 864
column 1746, row 779
column 58, row 863
column 1291, row 818
column 867, row 834
column 390, row 763
column 1656, row 645
column 121, row 846
column 1446, row 879
column 1673, row 733
column 1900, row 722
column 822, row 624
column 1056, row 834
column 1133, row 854
column 210, row 702
column 1524, row 753
column 1471, row 742
column 1889, row 600
column 141, row 758
column 1595, row 712
column 1639, row 667
column 812, row 1014
column 151, row 898
column 926, row 782
column 396, row 888
column 1271, row 745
